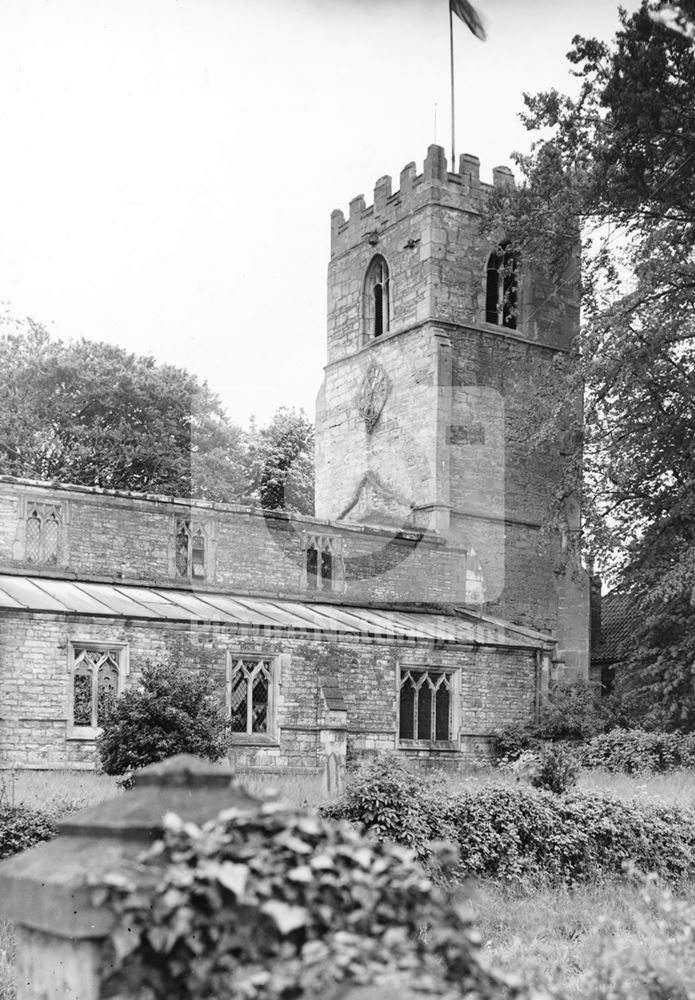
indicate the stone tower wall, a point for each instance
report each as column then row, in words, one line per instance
column 449, row 450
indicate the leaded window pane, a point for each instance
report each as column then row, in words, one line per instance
column 107, row 686
column 82, row 696
column 249, row 696
column 198, row 553
column 238, row 699
column 50, row 540
column 33, row 546
column 182, row 550
column 259, row 714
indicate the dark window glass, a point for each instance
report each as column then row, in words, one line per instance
column 312, row 562
column 492, row 293
column 442, row 731
column 407, row 712
column 424, row 712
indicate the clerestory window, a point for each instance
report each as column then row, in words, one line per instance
column 190, row 549
column 501, row 295
column 42, row 539
column 96, row 677
column 320, row 553
column 251, row 682
column 426, row 704
column 376, row 298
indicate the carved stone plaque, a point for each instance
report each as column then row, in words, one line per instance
column 373, row 393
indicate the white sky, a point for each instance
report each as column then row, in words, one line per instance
column 169, row 166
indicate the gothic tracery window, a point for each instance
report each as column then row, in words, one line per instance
column 376, row 298
column 320, row 554
column 42, row 539
column 190, row 549
column 96, row 677
column 250, row 700
column 425, row 704
column 501, row 287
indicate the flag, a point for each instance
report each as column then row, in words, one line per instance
column 469, row 15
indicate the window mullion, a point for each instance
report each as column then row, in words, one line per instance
column 95, row 694
column 249, row 703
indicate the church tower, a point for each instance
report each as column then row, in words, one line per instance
column 435, row 346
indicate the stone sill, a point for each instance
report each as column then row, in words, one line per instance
column 445, row 745
column 83, row 734
column 254, row 740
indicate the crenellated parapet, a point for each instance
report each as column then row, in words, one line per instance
column 436, row 184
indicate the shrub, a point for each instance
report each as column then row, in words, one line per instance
column 272, row 902
column 635, row 751
column 22, row 827
column 557, row 769
column 573, row 712
column 517, row 833
column 381, row 796
column 512, row 741
column 171, row 712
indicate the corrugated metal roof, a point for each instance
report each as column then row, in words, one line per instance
column 170, row 604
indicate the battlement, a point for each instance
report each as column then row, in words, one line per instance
column 435, row 185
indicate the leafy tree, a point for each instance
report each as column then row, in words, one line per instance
column 281, row 462
column 93, row 414
column 172, row 711
column 616, row 166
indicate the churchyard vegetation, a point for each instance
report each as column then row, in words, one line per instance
column 93, row 414
column 611, row 935
column 613, row 168
column 169, row 711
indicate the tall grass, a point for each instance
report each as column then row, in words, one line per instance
column 7, row 980
column 577, row 941
column 593, row 942
column 56, row 792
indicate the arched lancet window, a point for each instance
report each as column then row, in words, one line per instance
column 376, row 298
column 501, row 287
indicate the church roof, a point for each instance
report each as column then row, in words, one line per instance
column 269, row 615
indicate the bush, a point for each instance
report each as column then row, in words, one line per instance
column 516, row 833
column 271, row 902
column 382, row 797
column 635, row 751
column 22, row 827
column 557, row 770
column 171, row 712
column 573, row 712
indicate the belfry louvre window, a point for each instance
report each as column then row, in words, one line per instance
column 190, row 549
column 96, row 677
column 501, row 287
column 43, row 526
column 376, row 298
column 250, row 699
column 425, row 704
column 320, row 557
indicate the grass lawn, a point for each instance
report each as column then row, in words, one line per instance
column 615, row 941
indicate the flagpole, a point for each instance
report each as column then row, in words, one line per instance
column 453, row 103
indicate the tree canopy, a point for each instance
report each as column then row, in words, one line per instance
column 616, row 166
column 94, row 414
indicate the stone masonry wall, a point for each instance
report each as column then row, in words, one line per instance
column 131, row 538
column 496, row 687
